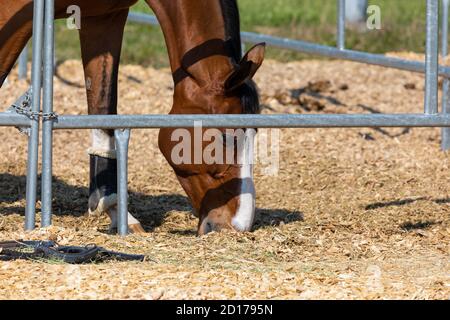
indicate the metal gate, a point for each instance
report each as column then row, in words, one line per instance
column 43, row 50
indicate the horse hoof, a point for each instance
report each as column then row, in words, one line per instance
column 136, row 228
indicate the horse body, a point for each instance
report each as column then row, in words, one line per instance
column 203, row 42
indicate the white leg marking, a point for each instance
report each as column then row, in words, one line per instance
column 102, row 141
column 132, row 220
column 113, row 216
column 105, row 204
column 245, row 215
column 103, row 145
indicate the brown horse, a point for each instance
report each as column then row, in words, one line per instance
column 210, row 76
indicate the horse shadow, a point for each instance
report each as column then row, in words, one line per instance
column 151, row 210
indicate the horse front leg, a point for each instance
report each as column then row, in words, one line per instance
column 101, row 41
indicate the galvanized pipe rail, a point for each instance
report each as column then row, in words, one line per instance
column 27, row 117
column 445, row 144
column 252, row 121
column 47, row 122
column 8, row 119
column 317, row 49
column 340, row 42
column 33, row 142
column 124, row 123
column 432, row 58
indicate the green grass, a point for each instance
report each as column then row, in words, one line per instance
column 403, row 29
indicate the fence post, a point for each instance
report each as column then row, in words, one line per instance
column 23, row 63
column 122, row 138
column 47, row 108
column 432, row 58
column 243, row 48
column 355, row 11
column 341, row 24
column 446, row 84
column 33, row 140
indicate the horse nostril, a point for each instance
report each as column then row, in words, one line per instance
column 209, row 227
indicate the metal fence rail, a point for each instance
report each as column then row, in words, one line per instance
column 123, row 123
column 446, row 83
column 321, row 50
column 317, row 49
column 252, row 121
column 14, row 120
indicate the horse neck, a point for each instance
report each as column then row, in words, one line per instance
column 195, row 35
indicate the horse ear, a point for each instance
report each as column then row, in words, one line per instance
column 247, row 68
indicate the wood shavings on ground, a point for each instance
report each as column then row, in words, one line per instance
column 352, row 214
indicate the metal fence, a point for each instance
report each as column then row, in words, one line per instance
column 32, row 114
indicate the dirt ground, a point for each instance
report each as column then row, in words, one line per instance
column 352, row 214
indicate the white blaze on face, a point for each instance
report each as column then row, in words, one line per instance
column 245, row 214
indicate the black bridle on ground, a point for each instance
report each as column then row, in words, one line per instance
column 50, row 250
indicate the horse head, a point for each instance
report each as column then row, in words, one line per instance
column 214, row 166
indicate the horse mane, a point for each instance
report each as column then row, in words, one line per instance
column 248, row 92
